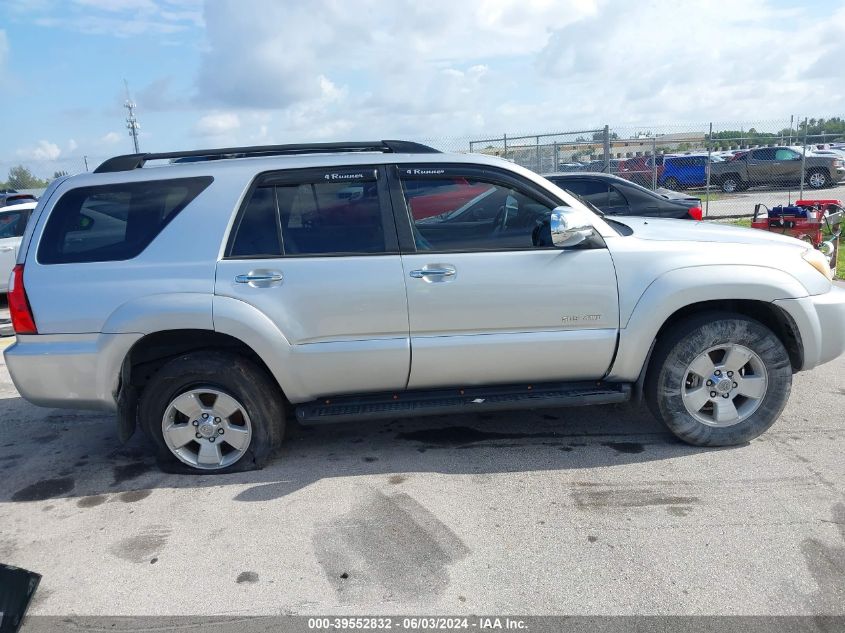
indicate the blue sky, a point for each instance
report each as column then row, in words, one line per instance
column 225, row 72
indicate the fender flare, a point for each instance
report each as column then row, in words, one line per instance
column 683, row 287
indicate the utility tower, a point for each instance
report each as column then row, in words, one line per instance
column 131, row 122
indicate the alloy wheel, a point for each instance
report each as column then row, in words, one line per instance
column 724, row 385
column 206, row 428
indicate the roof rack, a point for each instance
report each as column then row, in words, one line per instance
column 128, row 162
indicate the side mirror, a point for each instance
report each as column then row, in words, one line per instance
column 570, row 227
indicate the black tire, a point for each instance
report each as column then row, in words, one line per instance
column 686, row 340
column 820, row 177
column 227, row 373
column 672, row 183
column 731, row 184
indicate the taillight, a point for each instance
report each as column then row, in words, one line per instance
column 22, row 319
column 695, row 213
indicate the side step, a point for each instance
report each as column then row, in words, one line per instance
column 446, row 401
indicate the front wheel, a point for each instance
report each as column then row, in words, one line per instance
column 212, row 412
column 818, row 180
column 719, row 379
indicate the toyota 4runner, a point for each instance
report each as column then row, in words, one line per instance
column 212, row 298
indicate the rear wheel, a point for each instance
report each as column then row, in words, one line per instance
column 212, row 412
column 672, row 183
column 731, row 184
column 719, row 379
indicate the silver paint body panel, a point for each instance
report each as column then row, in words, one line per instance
column 340, row 325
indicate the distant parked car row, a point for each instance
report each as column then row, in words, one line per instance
column 731, row 171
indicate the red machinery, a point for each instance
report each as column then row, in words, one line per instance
column 806, row 220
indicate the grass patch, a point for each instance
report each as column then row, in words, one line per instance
column 840, row 261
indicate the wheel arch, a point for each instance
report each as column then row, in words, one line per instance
column 149, row 353
column 750, row 291
column 773, row 317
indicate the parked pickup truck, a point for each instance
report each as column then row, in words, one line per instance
column 776, row 166
column 210, row 301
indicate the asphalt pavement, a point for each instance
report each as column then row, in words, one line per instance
column 743, row 203
column 580, row 511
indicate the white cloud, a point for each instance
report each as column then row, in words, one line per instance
column 217, row 124
column 45, row 150
column 71, row 146
column 417, row 69
column 110, row 138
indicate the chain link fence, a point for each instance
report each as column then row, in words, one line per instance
column 729, row 166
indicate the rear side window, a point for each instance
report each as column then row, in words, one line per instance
column 113, row 222
column 12, row 223
column 328, row 218
column 286, row 218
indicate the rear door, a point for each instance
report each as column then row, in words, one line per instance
column 498, row 303
column 316, row 251
column 761, row 166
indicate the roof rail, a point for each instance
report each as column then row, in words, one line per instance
column 128, row 162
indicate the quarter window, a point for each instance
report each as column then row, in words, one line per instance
column 113, row 222
column 257, row 233
column 466, row 214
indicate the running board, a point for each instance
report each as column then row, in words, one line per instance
column 448, row 401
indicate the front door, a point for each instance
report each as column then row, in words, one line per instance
column 316, row 251
column 490, row 300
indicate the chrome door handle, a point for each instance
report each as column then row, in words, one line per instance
column 422, row 273
column 252, row 277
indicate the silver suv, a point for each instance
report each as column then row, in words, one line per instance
column 213, row 297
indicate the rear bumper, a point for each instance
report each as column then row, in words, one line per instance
column 76, row 371
column 821, row 321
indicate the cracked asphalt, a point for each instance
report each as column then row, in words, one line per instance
column 578, row 511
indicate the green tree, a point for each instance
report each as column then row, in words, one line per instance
column 59, row 174
column 21, row 178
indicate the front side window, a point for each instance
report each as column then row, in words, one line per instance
column 113, row 222
column 463, row 213
column 786, row 154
